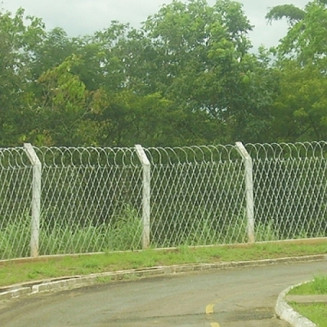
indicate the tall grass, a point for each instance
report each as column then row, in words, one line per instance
column 124, row 234
column 15, row 240
column 235, row 231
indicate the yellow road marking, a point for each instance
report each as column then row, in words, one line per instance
column 209, row 309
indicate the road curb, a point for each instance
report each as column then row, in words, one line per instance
column 286, row 312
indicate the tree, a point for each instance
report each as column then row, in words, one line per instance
column 62, row 106
column 131, row 97
column 203, row 64
column 300, row 107
column 290, row 12
column 187, row 76
column 18, row 37
column 306, row 40
column 55, row 47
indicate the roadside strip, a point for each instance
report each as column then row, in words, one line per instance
column 71, row 282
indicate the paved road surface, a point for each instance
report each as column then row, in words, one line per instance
column 240, row 297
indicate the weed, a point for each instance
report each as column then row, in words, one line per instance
column 104, row 279
column 266, row 232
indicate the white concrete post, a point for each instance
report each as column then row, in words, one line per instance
column 36, row 198
column 146, row 195
column 248, row 165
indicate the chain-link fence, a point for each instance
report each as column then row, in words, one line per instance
column 15, row 202
column 197, row 196
column 290, row 190
column 78, row 200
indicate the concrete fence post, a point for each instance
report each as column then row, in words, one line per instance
column 146, row 166
column 248, row 166
column 36, row 198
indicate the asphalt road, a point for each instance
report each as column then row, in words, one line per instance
column 226, row 298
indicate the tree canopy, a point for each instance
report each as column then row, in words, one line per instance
column 189, row 75
column 300, row 104
column 292, row 13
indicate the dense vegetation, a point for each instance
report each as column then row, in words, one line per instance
column 187, row 76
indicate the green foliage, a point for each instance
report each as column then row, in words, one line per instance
column 204, row 65
column 290, row 12
column 55, row 47
column 305, row 42
column 187, row 76
column 300, row 104
column 62, row 104
column 19, row 36
column 194, row 83
column 317, row 286
column 126, row 233
column 265, row 232
column 15, row 240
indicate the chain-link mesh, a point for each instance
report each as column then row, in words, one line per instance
column 197, row 196
column 290, row 190
column 15, row 203
column 92, row 198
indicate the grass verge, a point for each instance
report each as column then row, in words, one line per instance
column 18, row 271
column 317, row 286
column 316, row 312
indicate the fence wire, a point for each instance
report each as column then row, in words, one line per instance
column 15, row 205
column 290, row 190
column 197, row 196
column 92, row 199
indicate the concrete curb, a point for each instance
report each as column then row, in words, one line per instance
column 287, row 313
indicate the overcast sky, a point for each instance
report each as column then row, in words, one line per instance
column 81, row 17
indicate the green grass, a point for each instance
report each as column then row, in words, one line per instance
column 18, row 271
column 316, row 312
column 125, row 233
column 317, row 286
